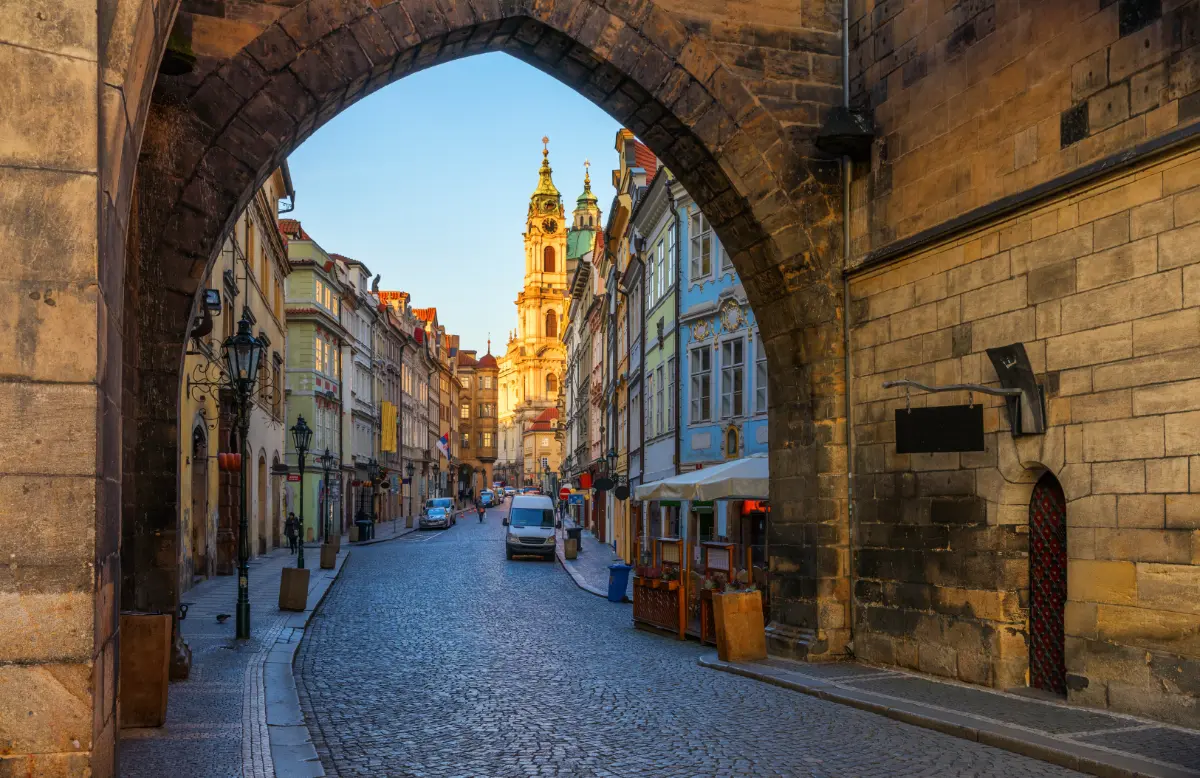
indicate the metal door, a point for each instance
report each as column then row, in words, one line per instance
column 1047, row 585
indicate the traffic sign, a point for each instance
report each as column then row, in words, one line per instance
column 293, row 477
column 564, row 493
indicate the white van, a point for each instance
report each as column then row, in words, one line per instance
column 531, row 526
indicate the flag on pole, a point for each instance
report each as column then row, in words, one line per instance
column 443, row 445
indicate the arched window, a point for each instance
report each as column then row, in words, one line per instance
column 548, row 260
column 551, row 323
column 551, row 384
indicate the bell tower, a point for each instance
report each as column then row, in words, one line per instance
column 540, row 305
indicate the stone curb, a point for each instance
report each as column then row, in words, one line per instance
column 1074, row 756
column 575, row 575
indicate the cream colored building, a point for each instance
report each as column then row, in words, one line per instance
column 532, row 367
column 248, row 277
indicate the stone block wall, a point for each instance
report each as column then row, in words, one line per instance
column 1102, row 286
column 976, row 100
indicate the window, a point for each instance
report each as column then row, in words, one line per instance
column 466, row 382
column 548, row 260
column 551, row 384
column 466, row 440
column 277, row 397
column 487, row 382
column 670, row 413
column 545, row 442
column 664, row 282
column 671, row 256
column 651, row 281
column 659, row 428
column 319, row 293
column 487, row 410
column 733, row 378
column 464, row 412
column 485, row 440
column 702, row 248
column 551, row 324
column 726, row 260
column 760, row 375
column 700, row 360
column 650, row 395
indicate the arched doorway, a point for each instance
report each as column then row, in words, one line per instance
column 262, row 503
column 275, row 498
column 199, row 501
column 1047, row 585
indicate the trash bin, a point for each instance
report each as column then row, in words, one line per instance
column 576, row 534
column 618, row 581
column 364, row 529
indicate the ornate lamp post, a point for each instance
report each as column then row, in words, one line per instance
column 437, row 481
column 301, row 437
column 373, row 474
column 243, row 352
column 408, row 469
column 327, row 461
column 611, row 456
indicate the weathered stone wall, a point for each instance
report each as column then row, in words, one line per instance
column 976, row 100
column 1102, row 286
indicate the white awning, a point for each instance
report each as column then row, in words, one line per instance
column 741, row 479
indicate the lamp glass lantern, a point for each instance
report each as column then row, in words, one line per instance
column 301, row 434
column 612, row 460
column 243, row 352
column 408, row 469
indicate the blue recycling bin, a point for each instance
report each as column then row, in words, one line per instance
column 618, row 581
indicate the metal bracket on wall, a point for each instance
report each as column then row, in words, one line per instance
column 1019, row 388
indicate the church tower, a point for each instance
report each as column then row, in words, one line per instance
column 532, row 367
column 586, row 224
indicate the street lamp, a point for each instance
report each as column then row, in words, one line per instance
column 327, row 460
column 408, row 470
column 301, row 437
column 373, row 474
column 612, row 461
column 243, row 352
column 437, row 481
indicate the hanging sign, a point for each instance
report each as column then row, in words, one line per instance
column 941, row 429
column 293, row 477
column 575, row 499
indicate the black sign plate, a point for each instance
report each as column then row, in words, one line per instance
column 941, row 429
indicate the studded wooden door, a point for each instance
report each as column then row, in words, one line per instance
column 1047, row 585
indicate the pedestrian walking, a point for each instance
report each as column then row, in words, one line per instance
column 291, row 529
column 479, row 507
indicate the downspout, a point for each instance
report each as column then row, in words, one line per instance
column 847, row 179
column 676, row 390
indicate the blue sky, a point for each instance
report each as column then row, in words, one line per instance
column 428, row 180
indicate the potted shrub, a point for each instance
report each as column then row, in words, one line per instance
column 738, row 618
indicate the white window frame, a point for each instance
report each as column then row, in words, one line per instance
column 670, row 392
column 659, row 405
column 761, row 398
column 697, row 273
column 696, row 379
column 727, row 373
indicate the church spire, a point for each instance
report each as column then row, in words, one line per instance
column 546, row 199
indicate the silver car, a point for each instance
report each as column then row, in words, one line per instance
column 530, row 526
column 435, row 518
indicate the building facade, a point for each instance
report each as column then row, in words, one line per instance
column 248, row 278
column 480, row 381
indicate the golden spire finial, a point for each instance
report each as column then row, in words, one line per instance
column 587, row 174
column 545, row 146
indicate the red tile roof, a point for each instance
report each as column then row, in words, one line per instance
column 291, row 228
column 465, row 360
column 547, row 415
column 644, row 158
column 487, row 360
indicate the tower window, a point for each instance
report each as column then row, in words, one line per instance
column 551, row 384
column 548, row 260
column 551, row 325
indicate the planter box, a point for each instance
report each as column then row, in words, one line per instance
column 329, row 554
column 336, row 542
column 659, row 603
column 739, row 625
column 571, row 548
column 293, row 589
column 145, row 668
column 353, row 534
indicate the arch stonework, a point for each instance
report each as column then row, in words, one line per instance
column 198, row 145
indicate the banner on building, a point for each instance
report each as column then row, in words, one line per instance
column 443, row 444
column 387, row 440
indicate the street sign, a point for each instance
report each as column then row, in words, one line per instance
column 564, row 493
column 575, row 499
column 293, row 477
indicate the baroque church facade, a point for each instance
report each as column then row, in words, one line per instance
column 531, row 369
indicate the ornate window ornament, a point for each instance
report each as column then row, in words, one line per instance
column 702, row 330
column 732, row 316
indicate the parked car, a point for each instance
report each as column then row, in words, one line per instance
column 531, row 526
column 487, row 497
column 509, row 491
column 436, row 518
column 441, row 502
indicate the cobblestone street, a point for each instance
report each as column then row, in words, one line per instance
column 434, row 656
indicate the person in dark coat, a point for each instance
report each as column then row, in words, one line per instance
column 291, row 528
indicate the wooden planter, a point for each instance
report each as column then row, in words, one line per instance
column 145, row 664
column 739, row 625
column 329, row 554
column 659, row 603
column 293, row 589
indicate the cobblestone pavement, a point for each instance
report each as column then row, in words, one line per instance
column 434, row 656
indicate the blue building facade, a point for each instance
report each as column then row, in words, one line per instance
column 723, row 380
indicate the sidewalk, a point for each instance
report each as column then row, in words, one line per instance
column 1090, row 741
column 589, row 570
column 238, row 713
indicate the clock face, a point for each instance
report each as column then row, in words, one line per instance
column 549, row 225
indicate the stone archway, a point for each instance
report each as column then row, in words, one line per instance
column 122, row 264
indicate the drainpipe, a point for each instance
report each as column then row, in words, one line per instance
column 847, row 178
column 676, row 390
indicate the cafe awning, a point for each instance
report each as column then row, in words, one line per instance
column 741, row 479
